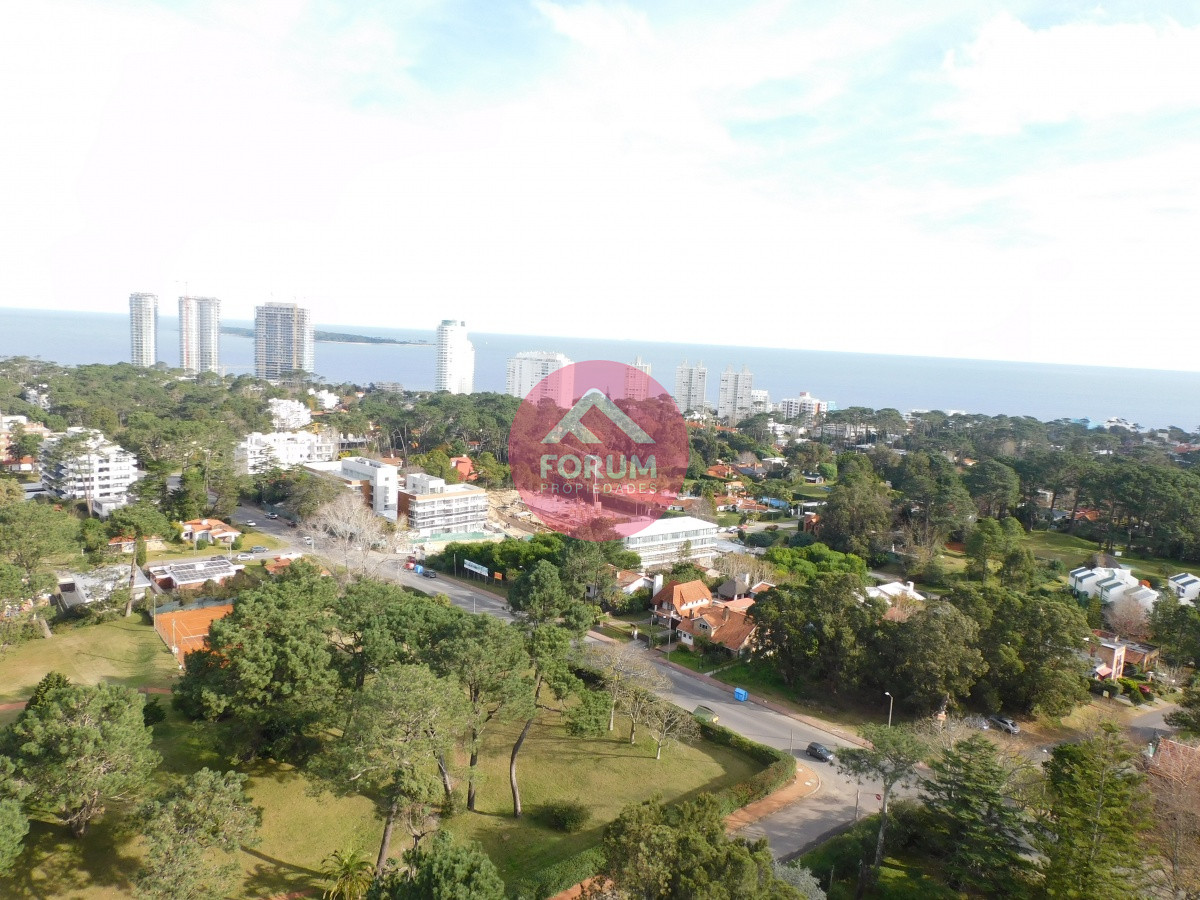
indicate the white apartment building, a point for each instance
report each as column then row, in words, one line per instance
column 670, row 540
column 532, row 369
column 455, row 358
column 259, row 452
column 82, row 464
column 435, row 508
column 691, row 386
column 378, row 482
column 1186, row 587
column 636, row 388
column 288, row 415
column 760, row 402
column 806, row 406
column 143, row 329
column 283, row 340
column 1111, row 584
column 199, row 334
column 735, row 400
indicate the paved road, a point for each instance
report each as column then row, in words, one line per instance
column 791, row 829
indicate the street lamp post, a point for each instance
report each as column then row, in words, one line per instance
column 891, row 702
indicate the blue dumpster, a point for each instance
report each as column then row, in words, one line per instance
column 740, row 694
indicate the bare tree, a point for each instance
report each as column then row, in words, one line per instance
column 1175, row 785
column 755, row 568
column 353, row 532
column 669, row 724
column 637, row 704
column 1127, row 618
column 624, row 668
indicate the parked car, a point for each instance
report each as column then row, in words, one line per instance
column 410, row 565
column 245, row 556
column 428, row 573
column 258, row 549
column 308, row 539
column 1004, row 723
column 819, row 751
column 272, row 515
column 705, row 714
column 292, row 524
column 251, row 524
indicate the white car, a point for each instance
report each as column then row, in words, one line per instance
column 245, row 556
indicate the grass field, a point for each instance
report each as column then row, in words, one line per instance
column 124, row 651
column 1073, row 551
column 605, row 773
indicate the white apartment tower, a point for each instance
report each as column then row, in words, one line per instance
column 199, row 334
column 635, row 387
column 691, row 386
column 736, row 398
column 82, row 464
column 283, row 340
column 455, row 358
column 527, row 370
column 143, row 329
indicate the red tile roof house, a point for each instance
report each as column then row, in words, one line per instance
column 680, row 600
column 464, row 467
column 728, row 628
column 212, row 530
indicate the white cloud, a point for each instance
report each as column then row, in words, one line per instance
column 1013, row 75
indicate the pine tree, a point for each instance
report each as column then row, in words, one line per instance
column 966, row 794
column 1095, row 822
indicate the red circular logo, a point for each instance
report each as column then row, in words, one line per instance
column 598, row 450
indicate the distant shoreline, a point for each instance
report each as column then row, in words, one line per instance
column 334, row 337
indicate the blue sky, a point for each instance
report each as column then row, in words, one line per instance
column 998, row 180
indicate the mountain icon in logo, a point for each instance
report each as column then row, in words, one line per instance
column 572, row 422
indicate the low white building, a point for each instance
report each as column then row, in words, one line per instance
column 1111, row 584
column 82, row 464
column 1185, row 586
column 378, row 482
column 434, row 507
column 325, row 399
column 894, row 591
column 288, row 415
column 805, row 406
column 670, row 540
column 259, row 452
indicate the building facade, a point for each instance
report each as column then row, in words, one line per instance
column 143, row 329
column 288, row 415
column 434, row 507
column 532, row 369
column 283, row 340
column 199, row 334
column 736, row 398
column 82, row 464
column 259, row 452
column 455, row 358
column 635, row 386
column 805, row 406
column 378, row 482
column 691, row 386
column 673, row 540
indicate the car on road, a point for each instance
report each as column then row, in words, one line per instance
column 705, row 714
column 292, row 524
column 428, row 573
column 819, row 751
column 245, row 556
column 251, row 524
column 308, row 539
column 272, row 516
column 258, row 549
column 1004, row 723
column 410, row 565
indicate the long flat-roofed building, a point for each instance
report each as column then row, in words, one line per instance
column 671, row 540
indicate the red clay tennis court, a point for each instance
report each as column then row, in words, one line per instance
column 185, row 630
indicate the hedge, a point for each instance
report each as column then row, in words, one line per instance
column 780, row 767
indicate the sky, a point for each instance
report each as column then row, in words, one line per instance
column 969, row 179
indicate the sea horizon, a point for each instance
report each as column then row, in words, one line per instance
column 1047, row 391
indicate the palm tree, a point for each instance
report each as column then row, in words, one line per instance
column 351, row 873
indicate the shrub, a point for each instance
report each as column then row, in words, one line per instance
column 560, row 876
column 565, row 816
column 153, row 712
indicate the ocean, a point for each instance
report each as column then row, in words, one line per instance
column 1149, row 397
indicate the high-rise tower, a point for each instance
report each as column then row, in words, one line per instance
column 691, row 386
column 283, row 340
column 143, row 329
column 199, row 334
column 455, row 358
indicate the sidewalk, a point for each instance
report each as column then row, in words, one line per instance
column 805, row 783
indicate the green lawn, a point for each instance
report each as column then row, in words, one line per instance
column 182, row 552
column 124, row 651
column 604, row 773
column 690, row 660
column 1073, row 551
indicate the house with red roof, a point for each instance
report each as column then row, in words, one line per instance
column 679, row 600
column 729, row 628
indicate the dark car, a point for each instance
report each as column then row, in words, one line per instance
column 1004, row 723
column 819, row 751
column 258, row 549
column 428, row 573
